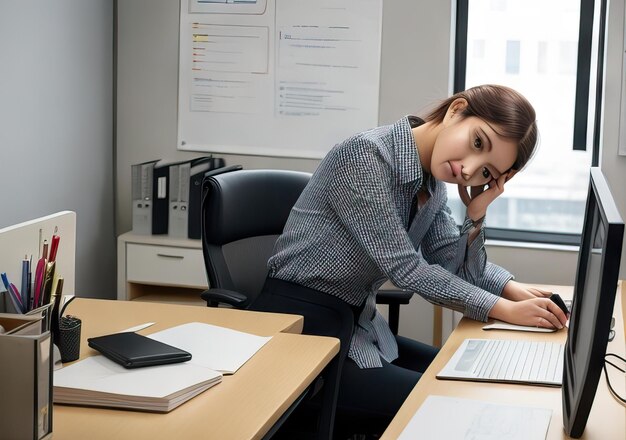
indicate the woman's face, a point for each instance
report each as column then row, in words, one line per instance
column 468, row 151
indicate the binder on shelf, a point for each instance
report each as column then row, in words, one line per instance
column 197, row 195
column 142, row 196
column 177, row 189
column 26, row 382
column 160, row 189
column 178, row 199
column 182, row 176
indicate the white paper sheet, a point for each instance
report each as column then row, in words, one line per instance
column 325, row 65
column 450, row 418
column 213, row 347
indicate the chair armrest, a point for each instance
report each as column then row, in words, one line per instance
column 393, row 297
column 215, row 296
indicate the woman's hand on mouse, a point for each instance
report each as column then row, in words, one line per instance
column 515, row 291
column 535, row 312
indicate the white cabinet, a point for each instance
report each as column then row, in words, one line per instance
column 160, row 268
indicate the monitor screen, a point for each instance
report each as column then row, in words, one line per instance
column 594, row 296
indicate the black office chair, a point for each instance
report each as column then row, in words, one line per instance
column 243, row 213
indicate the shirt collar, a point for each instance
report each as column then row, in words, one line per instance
column 407, row 161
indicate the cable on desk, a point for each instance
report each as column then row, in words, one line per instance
column 606, row 374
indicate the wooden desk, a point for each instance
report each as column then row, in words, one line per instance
column 244, row 406
column 607, row 419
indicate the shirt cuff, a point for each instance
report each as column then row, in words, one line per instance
column 468, row 224
column 495, row 278
column 478, row 302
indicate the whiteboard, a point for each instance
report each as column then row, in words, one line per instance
column 284, row 78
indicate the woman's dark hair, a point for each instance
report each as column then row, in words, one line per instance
column 507, row 111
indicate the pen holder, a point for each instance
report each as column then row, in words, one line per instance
column 26, row 385
column 69, row 338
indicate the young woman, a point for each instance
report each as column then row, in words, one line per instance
column 375, row 209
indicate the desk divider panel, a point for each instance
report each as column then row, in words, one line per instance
column 23, row 239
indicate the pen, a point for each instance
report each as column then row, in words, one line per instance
column 44, row 251
column 7, row 285
column 54, row 247
column 46, row 290
column 5, row 280
column 39, row 273
column 25, row 270
column 29, row 294
column 56, row 301
column 18, row 299
column 16, row 305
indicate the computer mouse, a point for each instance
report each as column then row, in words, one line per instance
column 556, row 299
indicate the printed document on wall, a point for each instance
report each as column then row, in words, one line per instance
column 326, row 68
column 228, row 66
column 277, row 77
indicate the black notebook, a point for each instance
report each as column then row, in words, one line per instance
column 132, row 350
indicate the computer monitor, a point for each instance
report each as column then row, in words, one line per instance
column 592, row 308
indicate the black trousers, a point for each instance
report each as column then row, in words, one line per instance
column 370, row 398
column 381, row 391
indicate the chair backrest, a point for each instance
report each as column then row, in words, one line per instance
column 243, row 213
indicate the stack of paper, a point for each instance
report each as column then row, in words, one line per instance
column 98, row 381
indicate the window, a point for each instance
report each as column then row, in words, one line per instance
column 512, row 57
column 531, row 46
column 479, row 49
column 542, row 57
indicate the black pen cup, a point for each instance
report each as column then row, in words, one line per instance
column 69, row 338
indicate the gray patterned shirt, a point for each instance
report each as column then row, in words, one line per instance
column 349, row 232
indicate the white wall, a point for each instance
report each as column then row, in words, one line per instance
column 56, row 125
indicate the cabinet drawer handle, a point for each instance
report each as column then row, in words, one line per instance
column 180, row 257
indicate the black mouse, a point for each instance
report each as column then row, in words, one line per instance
column 556, row 299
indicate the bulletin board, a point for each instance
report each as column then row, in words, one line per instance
column 286, row 78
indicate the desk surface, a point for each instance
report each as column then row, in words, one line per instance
column 607, row 419
column 244, row 406
column 104, row 316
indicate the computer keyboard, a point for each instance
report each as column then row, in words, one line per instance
column 513, row 360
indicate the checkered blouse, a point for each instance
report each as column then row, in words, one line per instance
column 350, row 231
